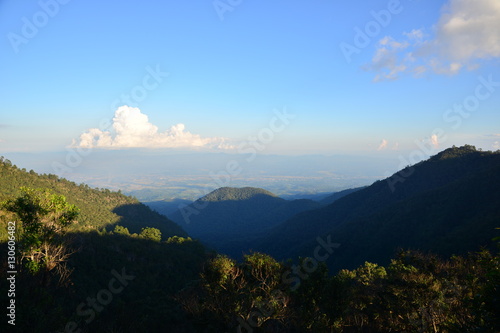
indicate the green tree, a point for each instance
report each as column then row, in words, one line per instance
column 248, row 293
column 119, row 230
column 178, row 240
column 151, row 234
column 361, row 288
column 45, row 217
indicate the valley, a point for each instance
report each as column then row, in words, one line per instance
column 208, row 261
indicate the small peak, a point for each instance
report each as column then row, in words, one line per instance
column 234, row 193
column 456, row 152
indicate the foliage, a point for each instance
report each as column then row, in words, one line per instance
column 119, row 230
column 151, row 234
column 99, row 208
column 233, row 292
column 146, row 304
column 178, row 240
column 415, row 293
column 45, row 216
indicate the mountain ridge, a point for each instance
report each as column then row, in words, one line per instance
column 100, row 208
column 448, row 173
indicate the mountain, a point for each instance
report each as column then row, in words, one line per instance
column 337, row 195
column 100, row 208
column 228, row 218
column 237, row 194
column 137, row 276
column 448, row 204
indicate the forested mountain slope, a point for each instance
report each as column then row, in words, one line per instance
column 98, row 274
column 448, row 204
column 99, row 207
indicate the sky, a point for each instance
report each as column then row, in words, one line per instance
column 293, row 77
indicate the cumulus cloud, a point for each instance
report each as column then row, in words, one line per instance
column 386, row 60
column 383, row 144
column 493, row 140
column 467, row 32
column 470, row 29
column 434, row 141
column 131, row 129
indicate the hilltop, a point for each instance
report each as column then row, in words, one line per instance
column 235, row 194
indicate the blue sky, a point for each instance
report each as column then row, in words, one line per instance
column 66, row 65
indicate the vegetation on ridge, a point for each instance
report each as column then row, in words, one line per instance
column 98, row 207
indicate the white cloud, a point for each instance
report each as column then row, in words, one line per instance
column 467, row 32
column 132, row 129
column 415, row 35
column 470, row 29
column 383, row 144
column 386, row 60
column 434, row 141
column 496, row 145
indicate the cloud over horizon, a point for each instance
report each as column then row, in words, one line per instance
column 467, row 32
column 435, row 141
column 383, row 144
column 131, row 129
